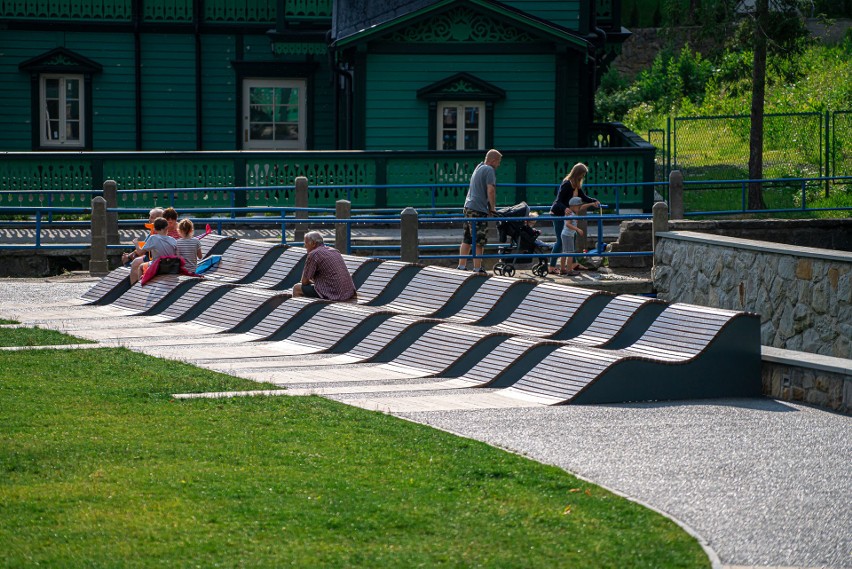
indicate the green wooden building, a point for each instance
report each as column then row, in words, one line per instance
column 212, row 93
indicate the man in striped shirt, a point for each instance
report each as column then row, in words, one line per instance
column 325, row 274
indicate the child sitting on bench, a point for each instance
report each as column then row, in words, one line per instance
column 159, row 244
column 188, row 247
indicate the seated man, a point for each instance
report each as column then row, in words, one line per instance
column 325, row 274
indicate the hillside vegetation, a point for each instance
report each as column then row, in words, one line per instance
column 687, row 83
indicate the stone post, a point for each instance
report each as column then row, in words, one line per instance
column 676, row 194
column 408, row 239
column 343, row 210
column 659, row 223
column 301, row 201
column 111, row 197
column 98, row 266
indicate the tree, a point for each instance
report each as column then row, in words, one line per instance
column 773, row 29
column 758, row 90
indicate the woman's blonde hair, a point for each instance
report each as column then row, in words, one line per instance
column 577, row 173
column 185, row 227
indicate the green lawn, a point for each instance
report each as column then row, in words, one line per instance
column 99, row 467
column 4, row 321
column 36, row 337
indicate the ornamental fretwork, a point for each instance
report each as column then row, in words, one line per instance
column 461, row 25
column 59, row 61
column 460, row 86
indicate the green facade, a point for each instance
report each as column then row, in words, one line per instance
column 169, row 99
column 397, row 119
column 170, row 75
column 564, row 13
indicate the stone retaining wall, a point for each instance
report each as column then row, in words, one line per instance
column 834, row 234
column 804, row 295
column 818, row 380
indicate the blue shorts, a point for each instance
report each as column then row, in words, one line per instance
column 309, row 291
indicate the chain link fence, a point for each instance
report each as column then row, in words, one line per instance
column 717, row 148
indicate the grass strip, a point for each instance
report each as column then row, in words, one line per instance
column 99, row 466
column 3, row 322
column 10, row 337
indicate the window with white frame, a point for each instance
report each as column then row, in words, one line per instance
column 274, row 114
column 461, row 125
column 61, row 99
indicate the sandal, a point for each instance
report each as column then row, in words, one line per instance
column 553, row 271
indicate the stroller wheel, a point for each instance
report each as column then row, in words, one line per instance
column 540, row 270
column 509, row 271
column 498, row 269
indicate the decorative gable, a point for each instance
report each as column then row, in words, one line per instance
column 60, row 60
column 461, row 25
column 462, row 22
column 461, row 87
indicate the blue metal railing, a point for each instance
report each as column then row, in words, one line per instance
column 43, row 216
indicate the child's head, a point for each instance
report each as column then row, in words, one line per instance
column 160, row 224
column 574, row 204
column 170, row 215
column 531, row 222
column 186, row 228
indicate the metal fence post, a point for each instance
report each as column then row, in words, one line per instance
column 301, row 202
column 98, row 252
column 111, row 197
column 408, row 238
column 342, row 231
column 659, row 223
column 676, row 194
column 828, row 151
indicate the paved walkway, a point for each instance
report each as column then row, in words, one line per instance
column 761, row 483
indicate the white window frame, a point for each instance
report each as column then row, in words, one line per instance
column 301, row 142
column 44, row 124
column 460, row 129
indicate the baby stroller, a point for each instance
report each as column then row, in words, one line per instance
column 519, row 236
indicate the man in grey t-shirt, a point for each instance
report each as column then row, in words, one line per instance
column 481, row 201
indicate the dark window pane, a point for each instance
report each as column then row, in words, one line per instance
column 72, row 131
column 72, row 88
column 72, row 110
column 286, row 132
column 262, row 131
column 471, row 117
column 450, row 117
column 449, row 140
column 51, row 88
column 261, row 95
column 471, row 140
column 54, row 130
column 259, row 113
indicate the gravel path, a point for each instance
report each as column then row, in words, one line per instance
column 764, row 483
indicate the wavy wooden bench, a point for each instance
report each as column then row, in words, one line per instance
column 284, row 272
column 116, row 283
column 623, row 319
column 497, row 294
column 433, row 290
column 245, row 261
column 402, row 347
column 289, row 316
column 551, row 311
column 688, row 352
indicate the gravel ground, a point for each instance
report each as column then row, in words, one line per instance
column 764, row 483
